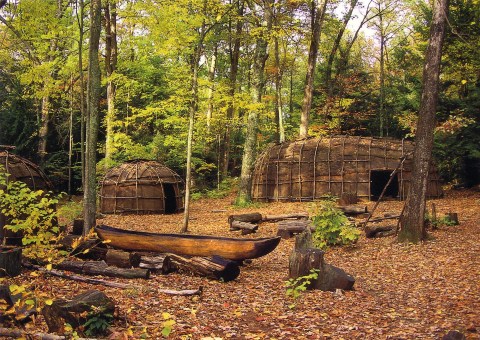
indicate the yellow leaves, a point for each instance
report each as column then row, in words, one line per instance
column 49, row 302
column 48, row 266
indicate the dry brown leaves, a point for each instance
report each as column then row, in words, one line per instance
column 401, row 291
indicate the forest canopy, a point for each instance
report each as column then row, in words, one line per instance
column 366, row 80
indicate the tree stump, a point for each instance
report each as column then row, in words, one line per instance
column 77, row 226
column 73, row 312
column 452, row 217
column 304, row 258
column 10, row 261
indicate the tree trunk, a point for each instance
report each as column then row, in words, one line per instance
column 80, row 16
column 333, row 52
column 110, row 67
column 211, row 79
column 412, row 221
column 278, row 96
column 93, row 95
column 258, row 83
column 318, row 13
column 234, row 60
column 195, row 58
column 43, row 130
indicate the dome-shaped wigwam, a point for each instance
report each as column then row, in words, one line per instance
column 313, row 168
column 141, row 187
column 21, row 169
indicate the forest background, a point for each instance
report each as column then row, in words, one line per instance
column 162, row 61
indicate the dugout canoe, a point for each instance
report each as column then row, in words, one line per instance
column 192, row 245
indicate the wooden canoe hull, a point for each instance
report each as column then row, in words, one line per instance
column 191, row 245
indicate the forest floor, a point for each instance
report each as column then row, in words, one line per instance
column 401, row 291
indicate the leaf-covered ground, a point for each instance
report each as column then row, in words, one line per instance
column 401, row 291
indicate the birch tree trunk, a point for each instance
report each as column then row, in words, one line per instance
column 412, row 221
column 93, row 95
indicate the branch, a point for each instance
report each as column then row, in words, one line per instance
column 79, row 278
column 18, row 333
column 28, row 47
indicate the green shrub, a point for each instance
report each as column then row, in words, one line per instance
column 33, row 214
column 331, row 226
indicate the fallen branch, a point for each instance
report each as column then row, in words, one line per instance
column 184, row 292
column 79, row 278
column 18, row 333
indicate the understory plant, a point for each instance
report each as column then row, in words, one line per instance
column 332, row 227
column 31, row 213
column 296, row 286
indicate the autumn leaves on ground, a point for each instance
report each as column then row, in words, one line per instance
column 401, row 291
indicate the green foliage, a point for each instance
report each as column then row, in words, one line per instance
column 331, row 226
column 68, row 211
column 33, row 214
column 97, row 322
column 296, row 286
column 444, row 221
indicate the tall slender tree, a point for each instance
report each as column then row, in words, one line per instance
column 256, row 91
column 110, row 67
column 92, row 119
column 317, row 17
column 412, row 221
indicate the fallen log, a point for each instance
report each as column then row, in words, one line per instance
column 157, row 263
column 276, row 218
column 379, row 231
column 122, row 259
column 245, row 227
column 251, row 218
column 353, row 209
column 286, row 229
column 101, row 268
column 379, row 219
column 89, row 280
column 74, row 312
column 216, row 267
